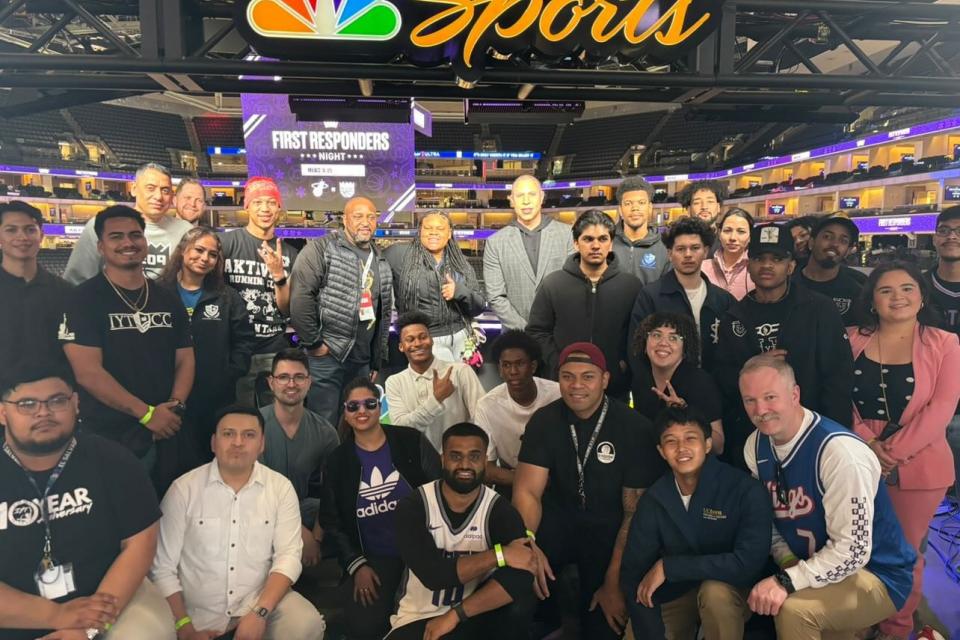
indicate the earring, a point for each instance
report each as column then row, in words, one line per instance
column 873, row 310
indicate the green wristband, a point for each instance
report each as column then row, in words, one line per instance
column 531, row 535
column 501, row 560
column 182, row 622
column 148, row 415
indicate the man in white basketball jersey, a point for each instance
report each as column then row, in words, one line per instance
column 469, row 565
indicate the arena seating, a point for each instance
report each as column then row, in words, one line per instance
column 136, row 136
column 598, row 144
column 35, row 137
column 54, row 260
column 448, row 136
column 219, row 132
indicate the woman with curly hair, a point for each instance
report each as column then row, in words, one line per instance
column 668, row 349
column 904, row 395
column 432, row 275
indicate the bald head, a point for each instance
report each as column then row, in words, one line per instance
column 526, row 198
column 360, row 220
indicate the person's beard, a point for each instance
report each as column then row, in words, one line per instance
column 39, row 448
column 460, row 486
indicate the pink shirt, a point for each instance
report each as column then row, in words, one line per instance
column 925, row 459
column 734, row 280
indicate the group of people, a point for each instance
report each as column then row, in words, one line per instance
column 702, row 425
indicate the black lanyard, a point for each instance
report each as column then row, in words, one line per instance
column 47, row 560
column 586, row 454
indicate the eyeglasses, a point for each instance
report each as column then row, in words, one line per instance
column 671, row 338
column 352, row 406
column 285, row 378
column 31, row 406
column 945, row 232
column 782, row 489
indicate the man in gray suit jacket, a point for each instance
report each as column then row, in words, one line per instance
column 517, row 257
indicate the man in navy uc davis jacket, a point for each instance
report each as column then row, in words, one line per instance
column 699, row 540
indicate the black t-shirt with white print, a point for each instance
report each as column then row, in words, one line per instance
column 246, row 272
column 139, row 350
column 102, row 498
column 844, row 290
column 766, row 319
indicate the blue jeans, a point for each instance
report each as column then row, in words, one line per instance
column 329, row 377
column 953, row 437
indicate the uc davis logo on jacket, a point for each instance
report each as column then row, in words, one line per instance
column 324, row 19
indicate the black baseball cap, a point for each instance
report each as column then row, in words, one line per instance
column 770, row 238
column 838, row 218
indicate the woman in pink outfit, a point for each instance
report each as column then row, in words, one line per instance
column 728, row 267
column 905, row 392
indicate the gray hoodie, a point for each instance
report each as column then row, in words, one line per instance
column 646, row 259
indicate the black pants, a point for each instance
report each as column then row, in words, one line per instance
column 570, row 538
column 363, row 623
column 510, row 622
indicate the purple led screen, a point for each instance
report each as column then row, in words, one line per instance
column 916, row 223
column 320, row 165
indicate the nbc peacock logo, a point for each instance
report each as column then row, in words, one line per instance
column 370, row 20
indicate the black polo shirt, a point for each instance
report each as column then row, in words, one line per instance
column 844, row 290
column 31, row 316
column 690, row 382
column 624, row 455
column 102, row 498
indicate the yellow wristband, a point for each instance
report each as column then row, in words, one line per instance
column 531, row 535
column 501, row 561
column 148, row 415
column 788, row 561
column 182, row 622
column 106, row 626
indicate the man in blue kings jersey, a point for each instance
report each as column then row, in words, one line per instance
column 844, row 563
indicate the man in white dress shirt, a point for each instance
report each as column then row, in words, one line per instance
column 430, row 394
column 230, row 544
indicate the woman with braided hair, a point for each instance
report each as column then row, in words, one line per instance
column 433, row 276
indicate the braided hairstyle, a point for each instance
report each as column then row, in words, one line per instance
column 418, row 266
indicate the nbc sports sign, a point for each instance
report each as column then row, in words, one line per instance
column 466, row 33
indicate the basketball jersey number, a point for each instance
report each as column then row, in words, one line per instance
column 447, row 597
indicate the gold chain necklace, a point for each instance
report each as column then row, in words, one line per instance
column 135, row 306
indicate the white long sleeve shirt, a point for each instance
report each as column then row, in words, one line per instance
column 412, row 403
column 850, row 473
column 218, row 547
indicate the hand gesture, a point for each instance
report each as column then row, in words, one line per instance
column 543, row 572
column 164, row 422
column 670, row 397
column 365, row 583
column 311, row 551
column 519, row 554
column 86, row 613
column 66, row 634
column 441, row 626
column 650, row 583
column 273, row 258
column 442, row 386
column 767, row 596
column 887, row 462
column 614, row 607
column 251, row 627
column 448, row 287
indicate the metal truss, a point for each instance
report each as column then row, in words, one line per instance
column 766, row 53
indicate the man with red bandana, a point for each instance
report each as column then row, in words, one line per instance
column 257, row 264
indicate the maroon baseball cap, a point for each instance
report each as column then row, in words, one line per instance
column 583, row 352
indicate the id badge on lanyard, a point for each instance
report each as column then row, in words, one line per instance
column 53, row 580
column 367, row 312
column 581, row 464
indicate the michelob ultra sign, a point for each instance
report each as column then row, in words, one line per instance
column 466, row 32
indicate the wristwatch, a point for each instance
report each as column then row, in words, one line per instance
column 784, row 579
column 262, row 612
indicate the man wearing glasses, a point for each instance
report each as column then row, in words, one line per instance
column 78, row 522
column 944, row 281
column 297, row 441
column 838, row 573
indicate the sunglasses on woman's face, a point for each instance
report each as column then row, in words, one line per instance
column 352, row 406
